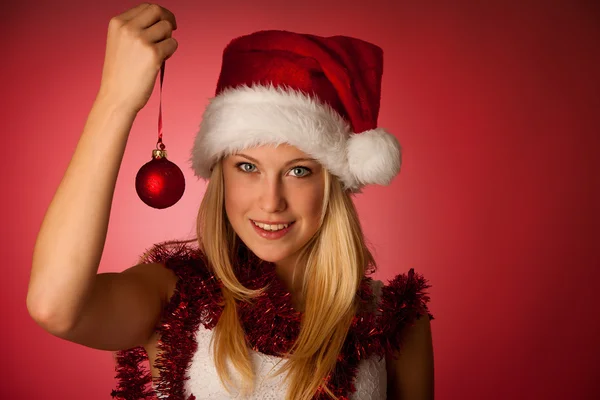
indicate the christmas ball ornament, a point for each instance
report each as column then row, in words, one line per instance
column 160, row 183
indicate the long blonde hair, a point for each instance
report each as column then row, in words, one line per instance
column 335, row 260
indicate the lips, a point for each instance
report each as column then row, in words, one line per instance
column 271, row 235
column 274, row 222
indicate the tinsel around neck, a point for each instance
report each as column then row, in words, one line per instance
column 270, row 322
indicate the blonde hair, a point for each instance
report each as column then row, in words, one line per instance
column 335, row 260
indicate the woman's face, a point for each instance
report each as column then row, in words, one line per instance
column 281, row 187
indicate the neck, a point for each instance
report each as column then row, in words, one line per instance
column 285, row 270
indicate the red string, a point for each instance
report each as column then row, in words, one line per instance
column 160, row 127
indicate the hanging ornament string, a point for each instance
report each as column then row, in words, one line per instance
column 162, row 77
column 160, row 183
column 160, row 127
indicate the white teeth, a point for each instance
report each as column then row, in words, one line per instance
column 270, row 227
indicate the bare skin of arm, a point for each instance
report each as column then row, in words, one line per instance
column 66, row 295
column 411, row 375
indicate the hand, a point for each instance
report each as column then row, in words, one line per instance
column 139, row 41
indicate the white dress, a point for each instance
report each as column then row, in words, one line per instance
column 186, row 361
column 204, row 383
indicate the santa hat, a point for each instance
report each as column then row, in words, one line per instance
column 319, row 94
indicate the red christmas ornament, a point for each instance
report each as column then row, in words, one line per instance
column 160, row 183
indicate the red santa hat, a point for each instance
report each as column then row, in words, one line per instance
column 320, row 94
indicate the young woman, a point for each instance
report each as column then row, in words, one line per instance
column 273, row 298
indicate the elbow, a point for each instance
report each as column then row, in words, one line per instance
column 47, row 317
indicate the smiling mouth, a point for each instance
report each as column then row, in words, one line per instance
column 272, row 227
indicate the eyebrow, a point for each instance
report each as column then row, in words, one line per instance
column 295, row 160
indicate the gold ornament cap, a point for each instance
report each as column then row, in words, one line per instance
column 158, row 154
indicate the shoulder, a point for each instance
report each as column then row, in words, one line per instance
column 394, row 307
column 405, row 298
column 402, row 299
column 406, row 330
column 194, row 294
column 402, row 307
column 181, row 264
column 181, row 257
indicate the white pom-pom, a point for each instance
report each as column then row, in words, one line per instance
column 374, row 157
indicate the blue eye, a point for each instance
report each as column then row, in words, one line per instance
column 298, row 171
column 297, row 174
column 243, row 166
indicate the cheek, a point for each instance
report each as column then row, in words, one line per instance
column 311, row 202
column 239, row 197
column 235, row 198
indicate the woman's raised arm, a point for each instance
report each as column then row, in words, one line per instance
column 64, row 288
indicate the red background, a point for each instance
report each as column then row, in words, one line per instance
column 497, row 202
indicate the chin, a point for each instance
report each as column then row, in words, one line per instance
column 268, row 253
column 274, row 251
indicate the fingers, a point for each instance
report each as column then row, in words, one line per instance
column 159, row 31
column 153, row 22
column 132, row 12
column 151, row 14
column 166, row 48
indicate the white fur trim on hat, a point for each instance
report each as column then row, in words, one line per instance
column 249, row 116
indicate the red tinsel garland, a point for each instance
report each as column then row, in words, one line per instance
column 271, row 323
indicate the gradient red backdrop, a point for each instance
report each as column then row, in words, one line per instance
column 497, row 202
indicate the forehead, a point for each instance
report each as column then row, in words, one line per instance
column 284, row 151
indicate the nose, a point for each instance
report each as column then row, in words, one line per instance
column 272, row 196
